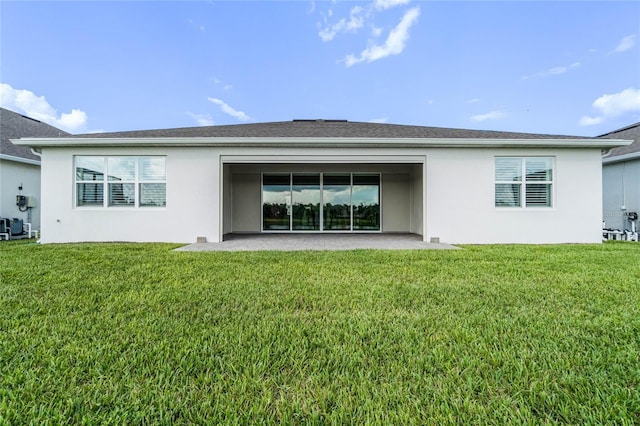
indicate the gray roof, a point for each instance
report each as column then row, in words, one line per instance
column 631, row 132
column 323, row 129
column 14, row 126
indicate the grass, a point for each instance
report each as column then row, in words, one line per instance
column 137, row 333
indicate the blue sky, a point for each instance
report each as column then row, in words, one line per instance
column 544, row 67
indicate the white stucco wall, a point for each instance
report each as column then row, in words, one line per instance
column 458, row 194
column 621, row 188
column 193, row 203
column 396, row 202
column 246, row 212
column 227, row 222
column 417, row 199
column 13, row 175
column 460, row 199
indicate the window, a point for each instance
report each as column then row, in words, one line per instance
column 126, row 181
column 523, row 182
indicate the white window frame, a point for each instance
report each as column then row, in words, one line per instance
column 105, row 182
column 110, row 183
column 523, row 182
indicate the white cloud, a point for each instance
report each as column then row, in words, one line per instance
column 613, row 105
column 625, row 43
column 379, row 120
column 590, row 121
column 473, row 101
column 394, row 45
column 202, row 119
column 553, row 71
column 355, row 22
column 28, row 103
column 376, row 32
column 493, row 115
column 619, row 103
column 387, row 4
column 73, row 120
column 229, row 110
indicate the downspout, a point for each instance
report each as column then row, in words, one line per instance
column 34, row 152
column 37, row 154
column 623, row 207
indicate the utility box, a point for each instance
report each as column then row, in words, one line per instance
column 17, row 226
column 28, row 201
column 21, row 201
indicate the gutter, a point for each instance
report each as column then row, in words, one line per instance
column 322, row 142
column 19, row 159
column 620, row 158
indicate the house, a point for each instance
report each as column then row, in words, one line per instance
column 20, row 167
column 331, row 176
column 621, row 180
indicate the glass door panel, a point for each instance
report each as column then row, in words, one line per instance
column 305, row 200
column 276, row 202
column 366, row 202
column 336, row 202
column 344, row 202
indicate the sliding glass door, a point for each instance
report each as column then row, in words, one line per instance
column 366, row 202
column 321, row 202
column 306, row 202
column 336, row 197
column 276, row 202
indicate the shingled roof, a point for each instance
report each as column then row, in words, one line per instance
column 14, row 126
column 631, row 132
column 322, row 129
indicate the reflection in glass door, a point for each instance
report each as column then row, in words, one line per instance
column 321, row 202
column 365, row 199
column 336, row 198
column 276, row 202
column 306, row 202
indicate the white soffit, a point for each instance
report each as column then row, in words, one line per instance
column 329, row 159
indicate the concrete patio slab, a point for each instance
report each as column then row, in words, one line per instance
column 301, row 242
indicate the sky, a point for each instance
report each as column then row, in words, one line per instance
column 552, row 67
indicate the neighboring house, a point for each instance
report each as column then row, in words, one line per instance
column 621, row 179
column 332, row 176
column 19, row 167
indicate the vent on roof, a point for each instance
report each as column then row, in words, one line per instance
column 317, row 120
column 29, row 118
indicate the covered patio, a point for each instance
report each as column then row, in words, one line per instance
column 346, row 194
column 319, row 241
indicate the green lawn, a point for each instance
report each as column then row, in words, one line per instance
column 138, row 333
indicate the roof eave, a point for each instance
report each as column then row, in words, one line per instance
column 620, row 158
column 19, row 159
column 320, row 142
